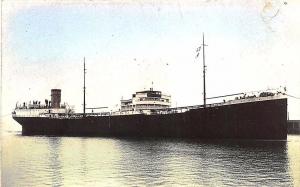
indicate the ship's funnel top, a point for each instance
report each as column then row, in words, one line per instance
column 55, row 98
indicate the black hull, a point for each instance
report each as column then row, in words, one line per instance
column 254, row 120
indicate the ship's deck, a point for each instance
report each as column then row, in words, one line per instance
column 156, row 111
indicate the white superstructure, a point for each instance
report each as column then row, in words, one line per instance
column 49, row 109
column 35, row 110
column 145, row 101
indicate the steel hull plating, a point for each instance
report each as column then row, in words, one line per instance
column 253, row 120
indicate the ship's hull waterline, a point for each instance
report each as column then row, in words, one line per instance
column 253, row 120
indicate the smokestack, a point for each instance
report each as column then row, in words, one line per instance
column 55, row 98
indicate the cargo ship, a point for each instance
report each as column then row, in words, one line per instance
column 149, row 113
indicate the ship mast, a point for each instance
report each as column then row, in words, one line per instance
column 204, row 83
column 84, row 72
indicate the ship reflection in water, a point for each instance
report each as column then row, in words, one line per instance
column 74, row 161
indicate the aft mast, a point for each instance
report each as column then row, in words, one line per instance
column 204, row 68
column 84, row 72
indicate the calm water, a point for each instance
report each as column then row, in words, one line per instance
column 73, row 161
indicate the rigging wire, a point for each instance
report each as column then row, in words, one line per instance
column 293, row 96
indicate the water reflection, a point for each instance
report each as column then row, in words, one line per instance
column 142, row 159
column 74, row 161
column 205, row 162
column 54, row 161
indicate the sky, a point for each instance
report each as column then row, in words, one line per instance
column 252, row 45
